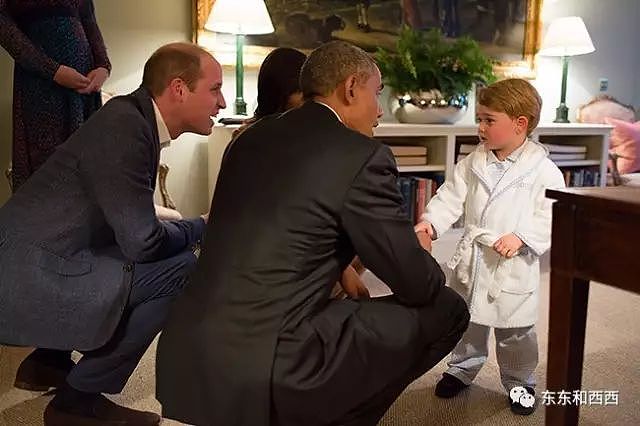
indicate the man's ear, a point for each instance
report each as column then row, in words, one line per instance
column 177, row 88
column 350, row 85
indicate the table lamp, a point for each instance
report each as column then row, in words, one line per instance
column 239, row 17
column 566, row 37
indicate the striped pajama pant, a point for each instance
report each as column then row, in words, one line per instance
column 516, row 350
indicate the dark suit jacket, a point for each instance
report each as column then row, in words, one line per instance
column 71, row 234
column 297, row 196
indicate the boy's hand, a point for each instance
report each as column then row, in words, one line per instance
column 424, row 227
column 424, row 239
column 352, row 284
column 508, row 245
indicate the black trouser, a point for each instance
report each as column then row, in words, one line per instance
column 436, row 329
column 155, row 285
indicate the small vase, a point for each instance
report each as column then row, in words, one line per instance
column 428, row 107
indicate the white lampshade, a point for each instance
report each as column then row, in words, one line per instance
column 567, row 36
column 239, row 17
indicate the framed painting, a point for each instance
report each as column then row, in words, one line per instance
column 509, row 31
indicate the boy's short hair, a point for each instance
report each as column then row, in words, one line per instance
column 514, row 97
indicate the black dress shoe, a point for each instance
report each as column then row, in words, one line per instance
column 43, row 369
column 526, row 405
column 449, row 386
column 82, row 409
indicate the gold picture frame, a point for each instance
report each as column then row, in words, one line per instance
column 224, row 47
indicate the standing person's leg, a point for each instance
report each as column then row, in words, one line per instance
column 107, row 369
column 20, row 165
column 517, row 353
column 467, row 359
column 411, row 13
column 470, row 353
column 500, row 18
column 455, row 17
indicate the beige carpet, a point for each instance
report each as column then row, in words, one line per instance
column 611, row 363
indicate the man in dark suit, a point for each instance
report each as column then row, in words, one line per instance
column 84, row 262
column 255, row 339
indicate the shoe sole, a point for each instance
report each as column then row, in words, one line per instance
column 32, row 387
column 63, row 419
column 451, row 395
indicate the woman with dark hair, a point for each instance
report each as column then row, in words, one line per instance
column 278, row 84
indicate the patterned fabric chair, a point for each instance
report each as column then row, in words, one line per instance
column 624, row 149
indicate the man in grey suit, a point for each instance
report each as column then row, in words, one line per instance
column 84, row 262
column 258, row 340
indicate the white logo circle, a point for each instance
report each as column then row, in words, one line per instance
column 516, row 393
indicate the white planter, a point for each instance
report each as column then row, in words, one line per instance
column 428, row 107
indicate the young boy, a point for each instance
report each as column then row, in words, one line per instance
column 500, row 189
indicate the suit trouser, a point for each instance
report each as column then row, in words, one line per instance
column 441, row 324
column 154, row 286
column 516, row 350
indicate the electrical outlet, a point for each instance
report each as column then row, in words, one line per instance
column 604, row 84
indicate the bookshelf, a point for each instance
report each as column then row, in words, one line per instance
column 443, row 141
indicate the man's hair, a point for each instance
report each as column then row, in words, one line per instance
column 514, row 97
column 331, row 64
column 174, row 60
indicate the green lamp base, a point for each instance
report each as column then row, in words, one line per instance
column 240, row 107
column 562, row 114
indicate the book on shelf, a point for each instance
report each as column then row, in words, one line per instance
column 420, row 160
column 555, row 156
column 408, row 150
column 416, row 193
column 579, row 177
column 467, row 148
column 575, row 149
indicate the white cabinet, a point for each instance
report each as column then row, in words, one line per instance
column 442, row 141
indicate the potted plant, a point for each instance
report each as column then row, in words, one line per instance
column 431, row 76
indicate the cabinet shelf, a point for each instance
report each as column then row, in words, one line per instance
column 426, row 168
column 441, row 141
column 577, row 163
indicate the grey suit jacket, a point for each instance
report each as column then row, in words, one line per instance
column 71, row 235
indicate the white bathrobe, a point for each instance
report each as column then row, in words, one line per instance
column 500, row 292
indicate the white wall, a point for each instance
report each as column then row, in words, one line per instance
column 613, row 28
column 132, row 30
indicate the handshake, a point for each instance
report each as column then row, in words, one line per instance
column 424, row 232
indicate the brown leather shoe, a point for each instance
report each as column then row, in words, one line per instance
column 43, row 369
column 100, row 412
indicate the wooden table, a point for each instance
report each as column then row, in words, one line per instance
column 595, row 237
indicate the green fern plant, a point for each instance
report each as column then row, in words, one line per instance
column 426, row 60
